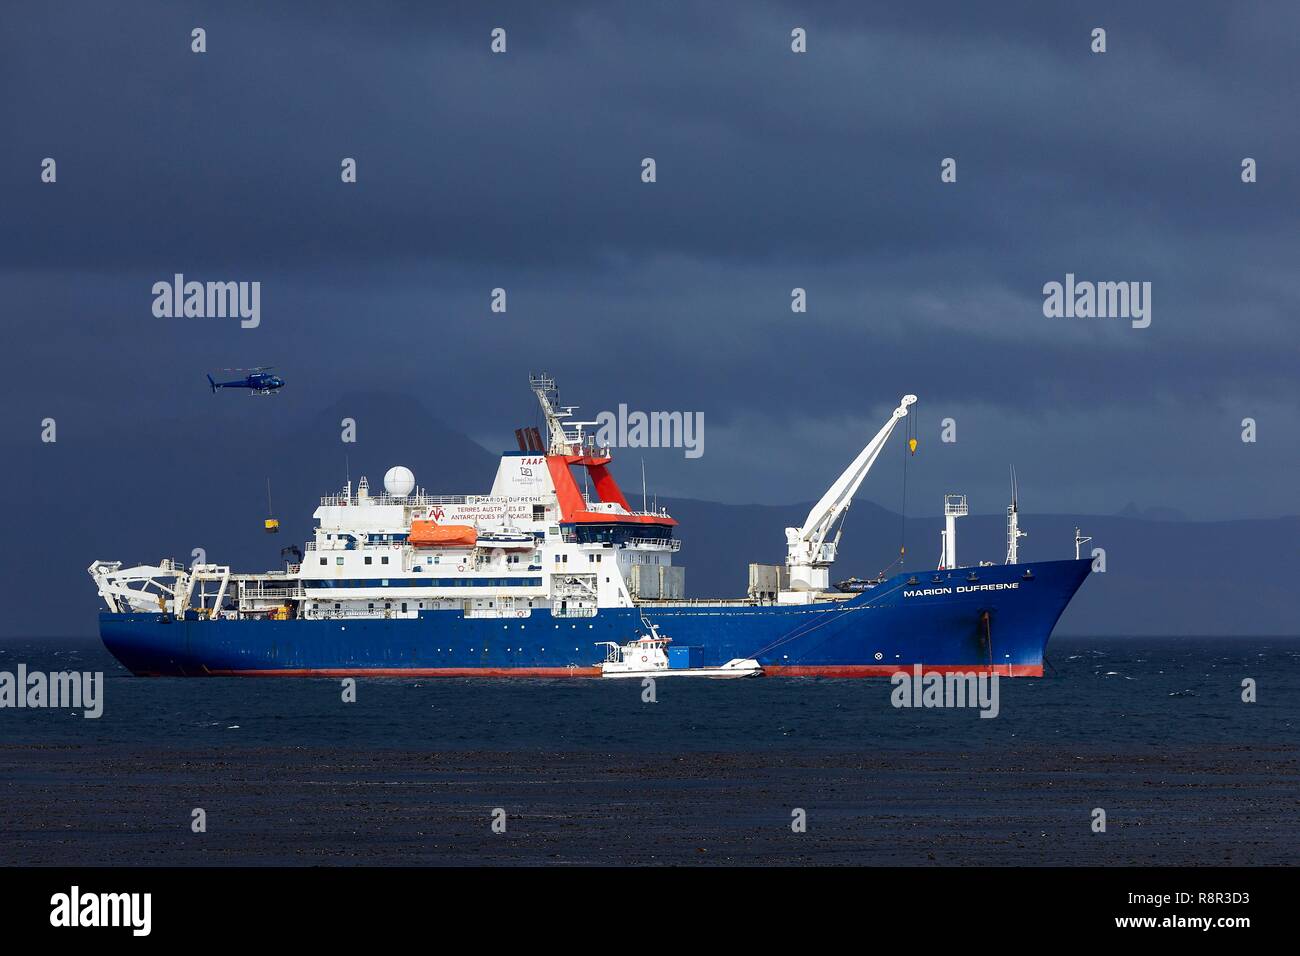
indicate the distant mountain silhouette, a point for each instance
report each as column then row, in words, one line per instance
column 142, row 492
column 1157, row 513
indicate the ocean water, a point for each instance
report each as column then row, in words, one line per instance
column 1153, row 732
column 1117, row 693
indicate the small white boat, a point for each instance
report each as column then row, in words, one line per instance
column 506, row 539
column 648, row 656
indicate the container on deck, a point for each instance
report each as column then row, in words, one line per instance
column 683, row 657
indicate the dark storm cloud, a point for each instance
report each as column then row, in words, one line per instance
column 775, row 171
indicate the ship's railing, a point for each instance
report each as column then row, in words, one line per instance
column 323, row 614
column 410, row 501
column 591, row 502
column 670, row 544
column 258, row 591
column 578, row 442
column 703, row 602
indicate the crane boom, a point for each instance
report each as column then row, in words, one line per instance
column 809, row 554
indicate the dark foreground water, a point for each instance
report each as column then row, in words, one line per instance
column 1154, row 732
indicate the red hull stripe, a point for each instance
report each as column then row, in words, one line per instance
column 777, row 670
column 415, row 672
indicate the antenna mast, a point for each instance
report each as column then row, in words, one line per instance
column 1014, row 534
column 1079, row 539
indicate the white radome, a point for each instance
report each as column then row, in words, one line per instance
column 399, row 481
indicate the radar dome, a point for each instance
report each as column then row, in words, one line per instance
column 399, row 481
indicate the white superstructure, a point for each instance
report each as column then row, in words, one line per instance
column 536, row 543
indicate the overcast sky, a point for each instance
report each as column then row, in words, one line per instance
column 775, row 170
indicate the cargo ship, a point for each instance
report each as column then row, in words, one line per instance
column 539, row 578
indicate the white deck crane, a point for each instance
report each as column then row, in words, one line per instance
column 809, row 553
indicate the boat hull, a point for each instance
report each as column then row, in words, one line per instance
column 998, row 623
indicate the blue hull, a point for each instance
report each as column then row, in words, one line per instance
column 941, row 620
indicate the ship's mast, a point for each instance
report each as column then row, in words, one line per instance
column 954, row 507
column 1014, row 534
column 560, row 440
column 1079, row 540
column 547, row 397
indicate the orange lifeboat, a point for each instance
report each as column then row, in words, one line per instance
column 430, row 534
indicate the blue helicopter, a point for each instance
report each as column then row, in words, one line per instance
column 258, row 381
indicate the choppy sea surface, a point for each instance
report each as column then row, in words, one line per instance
column 1122, row 693
column 1154, row 732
